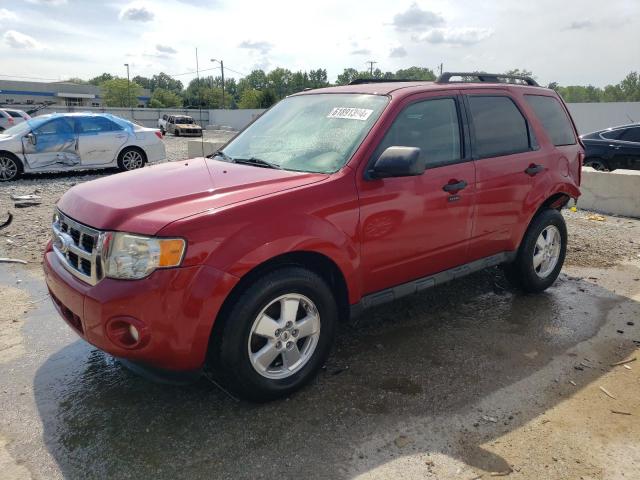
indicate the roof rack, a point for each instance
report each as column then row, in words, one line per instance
column 360, row 81
column 484, row 77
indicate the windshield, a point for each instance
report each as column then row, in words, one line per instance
column 184, row 120
column 309, row 133
column 26, row 126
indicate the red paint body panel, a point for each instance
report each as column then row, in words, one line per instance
column 379, row 233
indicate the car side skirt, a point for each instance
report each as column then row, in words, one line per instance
column 393, row 293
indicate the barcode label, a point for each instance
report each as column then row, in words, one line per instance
column 350, row 113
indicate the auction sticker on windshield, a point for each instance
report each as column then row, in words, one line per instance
column 350, row 113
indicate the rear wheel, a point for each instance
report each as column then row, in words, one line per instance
column 275, row 336
column 10, row 167
column 597, row 164
column 131, row 159
column 541, row 253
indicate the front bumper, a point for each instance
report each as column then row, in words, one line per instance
column 178, row 306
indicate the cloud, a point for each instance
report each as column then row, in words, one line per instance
column 48, row 2
column 7, row 14
column 261, row 47
column 166, row 49
column 456, row 36
column 361, row 51
column 20, row 40
column 416, row 19
column 581, row 25
column 136, row 12
column 398, row 52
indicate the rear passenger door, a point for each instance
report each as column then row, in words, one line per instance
column 629, row 149
column 507, row 157
column 99, row 140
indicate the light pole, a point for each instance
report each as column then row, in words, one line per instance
column 128, row 90
column 222, row 71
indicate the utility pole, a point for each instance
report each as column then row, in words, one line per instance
column 129, row 90
column 222, row 72
column 441, row 65
column 371, row 64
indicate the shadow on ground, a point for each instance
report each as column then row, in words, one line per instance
column 415, row 364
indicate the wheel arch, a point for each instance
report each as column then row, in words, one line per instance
column 20, row 163
column 131, row 147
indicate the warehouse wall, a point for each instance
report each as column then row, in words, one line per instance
column 590, row 117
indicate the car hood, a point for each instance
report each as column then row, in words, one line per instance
column 145, row 200
column 187, row 125
column 8, row 141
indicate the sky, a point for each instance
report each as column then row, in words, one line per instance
column 573, row 42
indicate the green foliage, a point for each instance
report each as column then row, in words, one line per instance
column 628, row 90
column 250, row 98
column 119, row 93
column 166, row 82
column 162, row 98
column 77, row 81
column 100, row 79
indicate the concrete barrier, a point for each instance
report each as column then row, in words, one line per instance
column 197, row 148
column 613, row 193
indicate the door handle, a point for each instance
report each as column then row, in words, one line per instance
column 534, row 169
column 454, row 186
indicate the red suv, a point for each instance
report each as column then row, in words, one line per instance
column 333, row 201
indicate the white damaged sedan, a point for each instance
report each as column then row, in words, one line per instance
column 75, row 141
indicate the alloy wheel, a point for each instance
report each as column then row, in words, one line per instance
column 284, row 336
column 547, row 251
column 132, row 160
column 8, row 168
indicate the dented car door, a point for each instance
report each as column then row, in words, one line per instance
column 52, row 144
column 99, row 140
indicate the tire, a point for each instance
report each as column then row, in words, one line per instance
column 176, row 132
column 163, row 131
column 523, row 273
column 131, row 158
column 598, row 164
column 10, row 167
column 244, row 331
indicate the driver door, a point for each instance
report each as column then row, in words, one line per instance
column 53, row 143
column 412, row 227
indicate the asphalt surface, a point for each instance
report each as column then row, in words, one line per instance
column 468, row 379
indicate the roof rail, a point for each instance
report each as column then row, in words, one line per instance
column 484, row 77
column 360, row 81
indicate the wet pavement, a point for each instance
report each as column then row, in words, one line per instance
column 426, row 387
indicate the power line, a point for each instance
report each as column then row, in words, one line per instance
column 371, row 64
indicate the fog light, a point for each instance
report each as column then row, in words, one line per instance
column 133, row 331
column 127, row 332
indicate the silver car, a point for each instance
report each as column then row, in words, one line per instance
column 74, row 141
column 10, row 117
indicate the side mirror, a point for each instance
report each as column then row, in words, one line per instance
column 398, row 162
column 32, row 138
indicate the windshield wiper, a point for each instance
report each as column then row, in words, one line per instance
column 224, row 156
column 258, row 162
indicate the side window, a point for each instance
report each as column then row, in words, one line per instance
column 58, row 126
column 93, row 125
column 631, row 135
column 430, row 125
column 553, row 118
column 164, row 117
column 500, row 128
column 612, row 134
column 170, row 119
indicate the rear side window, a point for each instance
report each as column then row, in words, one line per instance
column 612, row 134
column 553, row 118
column 430, row 125
column 499, row 127
column 90, row 125
column 631, row 135
column 15, row 114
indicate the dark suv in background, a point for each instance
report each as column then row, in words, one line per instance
column 613, row 148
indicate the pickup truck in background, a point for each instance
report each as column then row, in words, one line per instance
column 179, row 125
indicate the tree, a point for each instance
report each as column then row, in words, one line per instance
column 101, row 79
column 162, row 98
column 519, row 72
column 144, row 82
column 162, row 80
column 119, row 93
column 416, row 73
column 348, row 75
column 251, row 98
column 77, row 80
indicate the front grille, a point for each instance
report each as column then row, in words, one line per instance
column 77, row 247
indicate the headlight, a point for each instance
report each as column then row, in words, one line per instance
column 130, row 256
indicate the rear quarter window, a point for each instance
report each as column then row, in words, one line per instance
column 554, row 119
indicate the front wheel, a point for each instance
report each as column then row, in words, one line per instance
column 598, row 164
column 275, row 336
column 10, row 167
column 541, row 253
